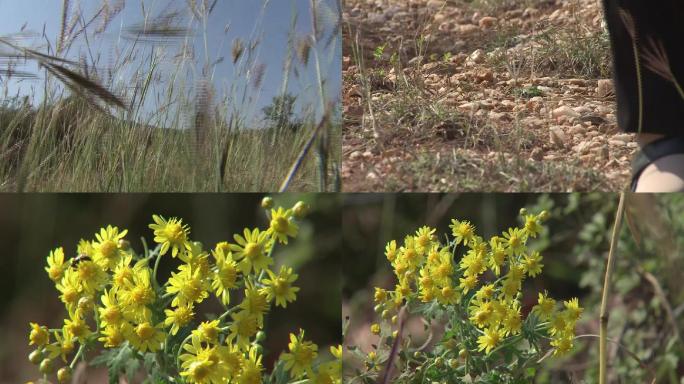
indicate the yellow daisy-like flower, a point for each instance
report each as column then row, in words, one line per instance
column 198, row 372
column 448, row 295
column 39, row 335
column 380, row 295
column 545, row 306
column 70, row 289
column 463, row 231
column 558, row 324
column 91, row 276
column 85, row 248
column 515, row 240
column 64, row 345
column 425, row 236
column 55, row 264
column 188, row 286
column 279, row 287
column 252, row 250
column 482, row 313
column 512, row 322
column 573, row 310
column 532, row 225
column 255, row 303
column 282, row 225
column 532, row 264
column 327, row 373
column 179, row 317
column 171, row 234
column 110, row 313
column 242, row 329
column 251, row 369
column 113, row 336
column 199, row 364
column 145, row 336
column 225, row 277
column 491, row 338
column 208, row 331
column 336, row 351
column 562, row 344
column 76, row 326
column 391, row 251
column 196, row 258
column 106, row 251
column 497, row 255
column 467, row 283
column 302, row 354
column 139, row 296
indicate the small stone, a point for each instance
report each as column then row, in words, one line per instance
column 435, row 4
column 604, row 88
column 477, row 56
column 623, row 137
column 529, row 12
column 356, row 155
column 487, row 22
column 466, row 29
column 564, row 111
column 470, row 107
column 557, row 136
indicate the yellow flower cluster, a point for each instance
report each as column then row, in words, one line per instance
column 112, row 295
column 487, row 281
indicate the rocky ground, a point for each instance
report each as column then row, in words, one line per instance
column 499, row 95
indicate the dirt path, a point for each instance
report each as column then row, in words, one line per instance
column 499, row 95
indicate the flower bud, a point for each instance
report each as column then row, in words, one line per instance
column 124, row 245
column 300, row 210
column 64, row 375
column 267, row 202
column 85, row 303
column 36, row 356
column 46, row 366
column 260, row 336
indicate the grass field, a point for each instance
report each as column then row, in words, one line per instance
column 175, row 122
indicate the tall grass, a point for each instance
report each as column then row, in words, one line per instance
column 167, row 130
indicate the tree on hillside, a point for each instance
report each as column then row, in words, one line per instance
column 280, row 114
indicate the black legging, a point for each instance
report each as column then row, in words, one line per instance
column 645, row 24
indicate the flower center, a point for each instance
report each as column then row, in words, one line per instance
column 280, row 286
column 199, row 371
column 280, row 224
column 175, row 233
column 252, row 250
column 145, row 331
column 55, row 272
column 191, row 290
column 112, row 314
column 70, row 295
column 108, row 249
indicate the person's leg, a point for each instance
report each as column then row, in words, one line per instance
column 666, row 174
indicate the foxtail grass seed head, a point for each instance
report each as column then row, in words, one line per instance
column 114, row 300
column 483, row 287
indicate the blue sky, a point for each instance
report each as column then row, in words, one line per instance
column 230, row 19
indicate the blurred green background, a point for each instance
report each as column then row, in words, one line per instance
column 32, row 225
column 647, row 281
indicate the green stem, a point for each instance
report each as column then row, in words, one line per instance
column 156, row 266
column 81, row 349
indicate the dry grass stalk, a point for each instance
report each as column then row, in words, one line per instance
column 603, row 333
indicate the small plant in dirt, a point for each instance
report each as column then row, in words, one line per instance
column 473, row 287
column 116, row 303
